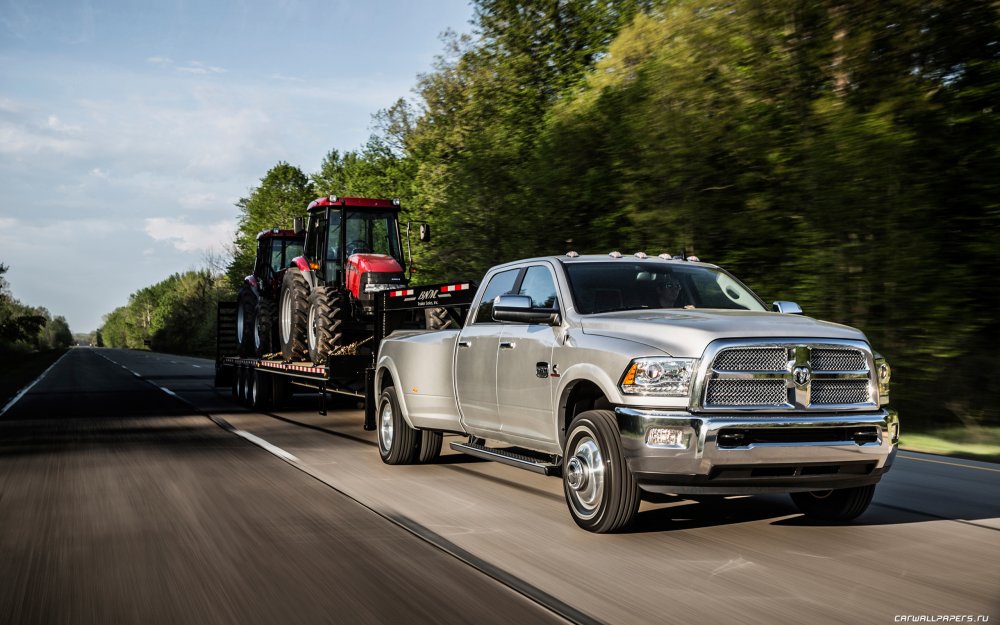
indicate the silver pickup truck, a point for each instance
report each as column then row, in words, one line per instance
column 629, row 375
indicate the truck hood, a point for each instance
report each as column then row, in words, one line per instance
column 686, row 333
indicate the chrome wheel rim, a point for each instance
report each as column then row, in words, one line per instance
column 385, row 430
column 312, row 328
column 585, row 477
column 240, row 323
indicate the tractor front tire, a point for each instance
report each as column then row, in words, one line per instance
column 293, row 311
column 245, row 315
column 263, row 336
column 326, row 313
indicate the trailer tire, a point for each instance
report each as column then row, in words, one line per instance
column 245, row 315
column 601, row 493
column 263, row 335
column 398, row 443
column 293, row 311
column 234, row 380
column 326, row 314
column 836, row 506
column 248, row 386
column 262, row 391
column 430, row 446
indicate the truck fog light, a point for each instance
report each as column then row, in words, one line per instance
column 670, row 438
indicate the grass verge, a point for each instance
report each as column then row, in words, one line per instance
column 982, row 443
column 19, row 370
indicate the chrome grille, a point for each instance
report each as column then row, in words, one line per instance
column 828, row 392
column 837, row 360
column 747, row 393
column 753, row 359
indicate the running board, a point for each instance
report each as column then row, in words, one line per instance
column 506, row 456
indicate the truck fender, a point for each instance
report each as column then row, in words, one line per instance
column 386, row 367
column 586, row 372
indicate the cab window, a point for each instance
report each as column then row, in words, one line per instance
column 499, row 284
column 539, row 286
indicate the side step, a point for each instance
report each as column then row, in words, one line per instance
column 522, row 460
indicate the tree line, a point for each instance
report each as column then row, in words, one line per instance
column 839, row 153
column 26, row 328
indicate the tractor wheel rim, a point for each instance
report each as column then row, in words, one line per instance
column 312, row 327
column 286, row 316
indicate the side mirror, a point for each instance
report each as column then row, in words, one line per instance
column 299, row 225
column 425, row 233
column 787, row 308
column 518, row 308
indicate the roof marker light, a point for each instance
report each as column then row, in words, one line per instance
column 333, row 198
column 693, row 259
column 572, row 254
column 615, row 254
column 641, row 255
column 665, row 256
column 395, row 201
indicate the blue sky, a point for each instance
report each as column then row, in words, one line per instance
column 128, row 129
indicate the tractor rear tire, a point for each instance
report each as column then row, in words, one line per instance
column 246, row 307
column 326, row 314
column 293, row 311
column 263, row 336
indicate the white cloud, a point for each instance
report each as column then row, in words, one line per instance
column 190, row 237
column 199, row 68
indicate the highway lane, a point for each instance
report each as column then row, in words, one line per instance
column 119, row 504
column 928, row 546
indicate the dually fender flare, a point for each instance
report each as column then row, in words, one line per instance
column 386, row 366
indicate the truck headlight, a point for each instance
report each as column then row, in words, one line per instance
column 663, row 377
column 883, row 373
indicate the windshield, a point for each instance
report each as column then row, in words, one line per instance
column 372, row 233
column 627, row 285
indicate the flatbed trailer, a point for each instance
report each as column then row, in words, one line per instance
column 263, row 383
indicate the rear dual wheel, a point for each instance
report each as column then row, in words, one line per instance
column 836, row 506
column 398, row 443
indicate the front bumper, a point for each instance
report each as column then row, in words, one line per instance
column 730, row 454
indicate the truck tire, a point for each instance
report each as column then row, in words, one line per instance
column 601, row 492
column 245, row 309
column 430, row 446
column 293, row 311
column 326, row 313
column 398, row 443
column 246, row 381
column 261, row 390
column 263, row 335
column 838, row 506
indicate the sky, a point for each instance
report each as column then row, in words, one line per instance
column 129, row 129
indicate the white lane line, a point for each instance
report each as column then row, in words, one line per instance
column 196, row 366
column 168, row 391
column 260, row 442
column 27, row 388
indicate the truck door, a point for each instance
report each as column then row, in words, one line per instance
column 525, row 371
column 476, row 357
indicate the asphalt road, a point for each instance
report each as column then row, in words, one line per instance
column 121, row 501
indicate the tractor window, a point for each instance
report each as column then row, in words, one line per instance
column 373, row 233
column 333, row 248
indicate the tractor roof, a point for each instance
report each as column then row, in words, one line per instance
column 355, row 202
column 276, row 233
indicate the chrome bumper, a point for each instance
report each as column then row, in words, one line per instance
column 737, row 454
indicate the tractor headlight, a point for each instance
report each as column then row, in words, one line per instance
column 663, row 377
column 883, row 373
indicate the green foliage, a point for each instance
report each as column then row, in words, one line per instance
column 25, row 328
column 283, row 194
column 175, row 315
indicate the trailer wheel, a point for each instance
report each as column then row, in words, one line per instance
column 262, row 390
column 430, row 446
column 235, row 382
column 293, row 311
column 245, row 316
column 263, row 335
column 326, row 313
column 248, row 387
column 838, row 506
column 398, row 443
column 601, row 492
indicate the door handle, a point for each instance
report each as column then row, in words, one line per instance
column 507, row 345
column 464, row 343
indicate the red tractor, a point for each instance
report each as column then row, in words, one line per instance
column 353, row 250
column 256, row 319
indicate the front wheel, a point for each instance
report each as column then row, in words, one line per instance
column 398, row 443
column 837, row 506
column 245, row 320
column 601, row 492
column 293, row 310
column 326, row 312
column 263, row 335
